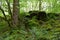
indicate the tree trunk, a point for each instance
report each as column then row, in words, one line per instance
column 15, row 16
column 40, row 5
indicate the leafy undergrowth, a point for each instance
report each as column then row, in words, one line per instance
column 49, row 30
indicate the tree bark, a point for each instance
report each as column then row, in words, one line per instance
column 15, row 14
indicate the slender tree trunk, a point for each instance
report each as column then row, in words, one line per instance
column 15, row 14
column 40, row 5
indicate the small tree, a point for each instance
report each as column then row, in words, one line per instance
column 14, row 22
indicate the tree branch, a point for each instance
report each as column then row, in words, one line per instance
column 9, row 8
column 5, row 18
column 3, row 12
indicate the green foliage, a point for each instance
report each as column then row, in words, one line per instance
column 38, row 30
column 48, row 30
